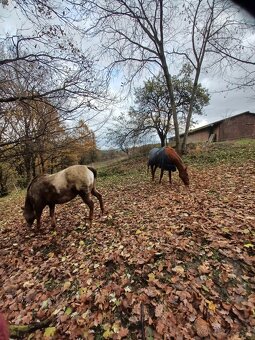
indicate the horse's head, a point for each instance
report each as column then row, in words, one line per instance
column 184, row 176
column 29, row 214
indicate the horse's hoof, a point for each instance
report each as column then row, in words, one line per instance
column 90, row 222
column 104, row 213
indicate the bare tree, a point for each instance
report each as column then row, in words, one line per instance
column 136, row 36
column 216, row 32
column 155, row 35
column 22, row 83
column 121, row 134
column 47, row 57
column 152, row 111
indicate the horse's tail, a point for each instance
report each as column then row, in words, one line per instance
column 93, row 170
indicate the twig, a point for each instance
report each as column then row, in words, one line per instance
column 16, row 331
column 142, row 321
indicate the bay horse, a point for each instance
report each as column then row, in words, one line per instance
column 166, row 158
column 61, row 187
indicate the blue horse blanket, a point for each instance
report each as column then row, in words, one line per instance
column 159, row 158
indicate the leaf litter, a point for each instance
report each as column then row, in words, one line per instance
column 165, row 262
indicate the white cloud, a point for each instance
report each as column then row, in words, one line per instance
column 225, row 105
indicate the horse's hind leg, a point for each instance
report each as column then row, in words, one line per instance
column 153, row 170
column 86, row 199
column 99, row 197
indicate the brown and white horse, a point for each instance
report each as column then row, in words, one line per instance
column 61, row 187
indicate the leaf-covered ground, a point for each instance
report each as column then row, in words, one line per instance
column 165, row 263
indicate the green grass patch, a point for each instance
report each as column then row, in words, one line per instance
column 223, row 152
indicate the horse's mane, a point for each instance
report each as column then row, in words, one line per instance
column 93, row 170
column 174, row 154
column 32, row 181
column 28, row 201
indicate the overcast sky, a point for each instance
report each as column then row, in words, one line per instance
column 226, row 104
column 221, row 105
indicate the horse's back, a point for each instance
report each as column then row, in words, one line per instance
column 153, row 157
column 70, row 180
column 166, row 163
column 153, row 152
column 159, row 157
column 78, row 177
column 173, row 155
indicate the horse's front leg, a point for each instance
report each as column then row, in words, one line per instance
column 170, row 177
column 161, row 175
column 52, row 216
column 38, row 218
column 86, row 199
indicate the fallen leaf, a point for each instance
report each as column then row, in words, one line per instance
column 201, row 327
column 159, row 310
column 151, row 277
column 49, row 332
column 68, row 311
column 178, row 270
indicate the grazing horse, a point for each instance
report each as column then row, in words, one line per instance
column 166, row 158
column 59, row 188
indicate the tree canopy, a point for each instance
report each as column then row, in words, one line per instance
column 79, row 48
column 152, row 112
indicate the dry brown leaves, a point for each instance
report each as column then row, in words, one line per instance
column 185, row 257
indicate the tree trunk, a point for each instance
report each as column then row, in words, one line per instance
column 173, row 106
column 162, row 142
column 199, row 60
column 27, row 165
column 188, row 120
column 192, row 99
column 27, row 159
column 42, row 163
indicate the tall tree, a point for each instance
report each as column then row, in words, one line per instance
column 135, row 36
column 44, row 62
column 82, row 143
column 33, row 125
column 153, row 112
column 163, row 35
column 216, row 33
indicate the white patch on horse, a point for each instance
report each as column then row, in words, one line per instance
column 74, row 177
column 58, row 180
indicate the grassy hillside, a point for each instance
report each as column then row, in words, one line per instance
column 200, row 155
column 224, row 152
column 163, row 261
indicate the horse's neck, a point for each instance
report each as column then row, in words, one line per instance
column 180, row 166
column 28, row 202
column 176, row 159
